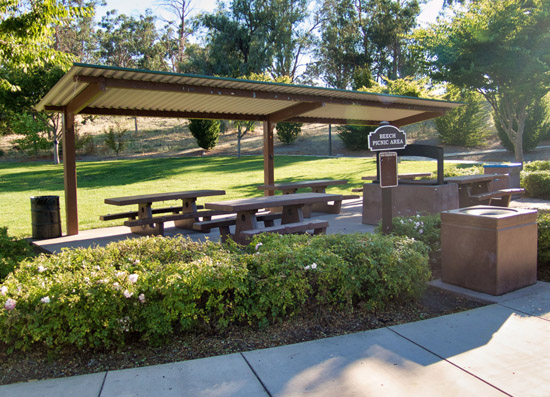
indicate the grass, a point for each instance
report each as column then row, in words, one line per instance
column 98, row 180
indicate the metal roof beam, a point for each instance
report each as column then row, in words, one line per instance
column 294, row 111
column 417, row 118
column 85, row 97
column 168, row 113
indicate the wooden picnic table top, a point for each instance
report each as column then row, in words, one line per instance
column 466, row 179
column 302, row 184
column 255, row 203
column 149, row 198
column 411, row 175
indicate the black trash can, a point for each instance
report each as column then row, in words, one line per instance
column 46, row 221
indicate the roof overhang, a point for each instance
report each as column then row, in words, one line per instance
column 101, row 90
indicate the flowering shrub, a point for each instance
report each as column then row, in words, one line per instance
column 425, row 228
column 150, row 288
column 12, row 251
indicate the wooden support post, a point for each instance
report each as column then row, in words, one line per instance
column 269, row 167
column 387, row 214
column 69, row 166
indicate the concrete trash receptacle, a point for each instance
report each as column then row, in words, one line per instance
column 489, row 249
column 46, row 221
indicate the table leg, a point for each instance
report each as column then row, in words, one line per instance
column 323, row 207
column 292, row 214
column 145, row 212
column 246, row 220
column 188, row 205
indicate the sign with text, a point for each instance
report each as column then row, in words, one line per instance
column 388, row 169
column 387, row 137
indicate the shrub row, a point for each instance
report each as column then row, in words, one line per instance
column 150, row 288
column 12, row 251
column 535, row 179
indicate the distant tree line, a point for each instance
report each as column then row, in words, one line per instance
column 479, row 52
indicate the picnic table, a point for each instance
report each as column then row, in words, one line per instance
column 316, row 186
column 476, row 190
column 143, row 222
column 407, row 176
column 292, row 219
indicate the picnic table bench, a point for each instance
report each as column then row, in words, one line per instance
column 316, row 186
column 292, row 219
column 475, row 190
column 143, row 222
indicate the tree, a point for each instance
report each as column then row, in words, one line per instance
column 77, row 34
column 26, row 36
column 465, row 125
column 499, row 49
column 288, row 132
column 537, row 126
column 365, row 36
column 242, row 129
column 180, row 9
column 131, row 43
column 206, row 132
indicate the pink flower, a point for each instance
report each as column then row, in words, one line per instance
column 4, row 290
column 133, row 278
column 141, row 298
column 127, row 294
column 258, row 246
column 10, row 304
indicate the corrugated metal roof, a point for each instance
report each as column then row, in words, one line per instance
column 142, row 92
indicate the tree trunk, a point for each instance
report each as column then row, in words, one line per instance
column 136, row 124
column 55, row 152
column 238, row 146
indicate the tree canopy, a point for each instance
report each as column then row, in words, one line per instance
column 499, row 48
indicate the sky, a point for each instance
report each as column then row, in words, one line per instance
column 138, row 7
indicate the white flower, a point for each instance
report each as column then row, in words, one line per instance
column 41, row 269
column 141, row 298
column 258, row 246
column 307, row 267
column 136, row 262
column 86, row 279
column 116, row 285
column 120, row 274
column 133, row 278
column 127, row 294
column 4, row 290
column 45, row 299
column 10, row 304
column 421, row 231
column 314, row 265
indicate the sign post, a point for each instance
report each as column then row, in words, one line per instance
column 384, row 139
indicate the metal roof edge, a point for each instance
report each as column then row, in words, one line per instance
column 272, row 83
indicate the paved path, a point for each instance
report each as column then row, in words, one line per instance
column 496, row 350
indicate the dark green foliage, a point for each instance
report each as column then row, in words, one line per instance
column 12, row 251
column 288, row 132
column 543, row 223
column 205, row 132
column 538, row 165
column 536, row 184
column 151, row 288
column 465, row 125
column 114, row 139
column 32, row 127
column 537, row 126
column 355, row 137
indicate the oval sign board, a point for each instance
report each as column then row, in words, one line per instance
column 387, row 137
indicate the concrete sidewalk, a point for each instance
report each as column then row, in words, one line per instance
column 499, row 349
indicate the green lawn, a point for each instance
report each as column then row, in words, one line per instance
column 101, row 179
